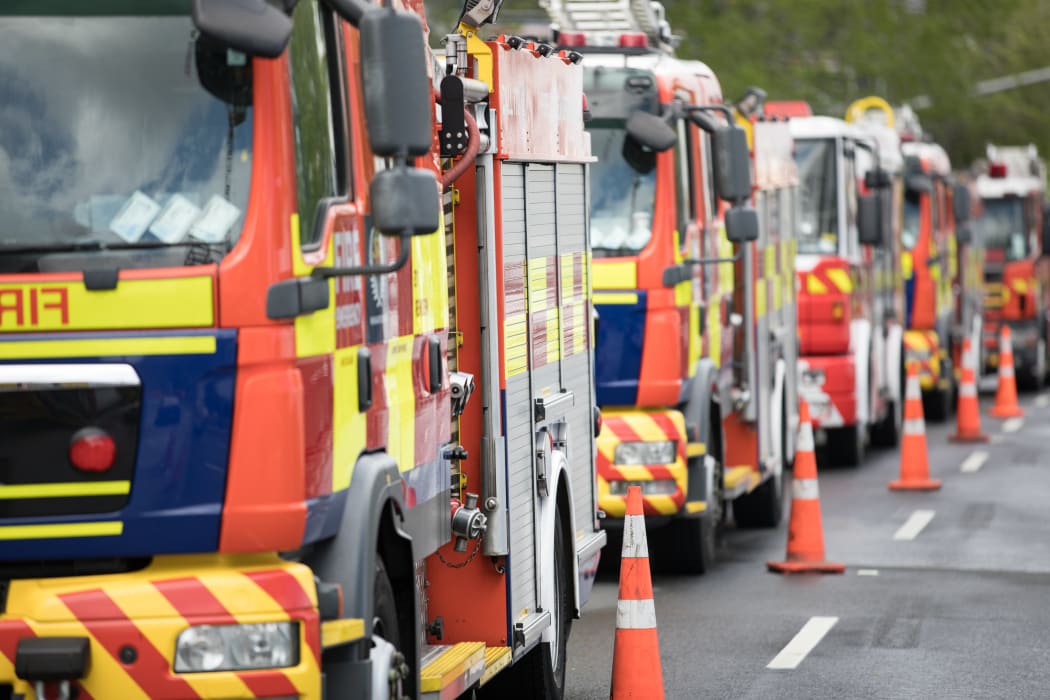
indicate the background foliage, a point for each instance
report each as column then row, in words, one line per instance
column 830, row 52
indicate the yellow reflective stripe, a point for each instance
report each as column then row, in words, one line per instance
column 841, row 279
column 1020, row 286
column 516, row 344
column 336, row 632
column 695, row 449
column 714, row 329
column 107, row 347
column 769, row 254
column 65, row 489
column 615, row 275
column 692, row 507
column 615, row 298
column 401, row 397
column 49, row 531
column 760, row 298
column 349, row 424
column 814, row 285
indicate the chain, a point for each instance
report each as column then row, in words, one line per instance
column 446, row 562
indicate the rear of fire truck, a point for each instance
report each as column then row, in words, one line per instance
column 225, row 306
column 1017, row 277
column 839, row 232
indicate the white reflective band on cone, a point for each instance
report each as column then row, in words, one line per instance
column 635, row 615
column 967, row 390
column 1006, row 371
column 913, row 391
column 634, row 543
column 914, row 426
column 805, row 438
column 805, row 489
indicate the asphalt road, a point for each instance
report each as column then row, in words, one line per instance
column 945, row 595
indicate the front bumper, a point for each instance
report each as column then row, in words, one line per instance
column 131, row 622
column 641, row 426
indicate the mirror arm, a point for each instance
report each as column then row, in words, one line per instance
column 714, row 108
column 326, row 273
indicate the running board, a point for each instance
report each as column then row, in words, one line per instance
column 737, row 481
column 452, row 669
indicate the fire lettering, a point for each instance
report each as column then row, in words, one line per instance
column 49, row 305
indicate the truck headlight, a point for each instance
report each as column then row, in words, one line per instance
column 645, row 453
column 237, row 647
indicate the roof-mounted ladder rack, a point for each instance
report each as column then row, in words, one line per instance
column 612, row 16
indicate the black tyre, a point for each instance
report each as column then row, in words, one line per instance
column 1032, row 377
column 688, row 545
column 845, row 446
column 763, row 507
column 938, row 405
column 384, row 615
column 541, row 673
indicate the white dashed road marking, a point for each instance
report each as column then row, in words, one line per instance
column 1013, row 425
column 804, row 642
column 1042, row 401
column 914, row 525
column 867, row 572
column 974, row 462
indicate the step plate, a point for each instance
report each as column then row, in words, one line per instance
column 448, row 670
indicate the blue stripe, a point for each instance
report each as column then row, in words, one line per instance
column 618, row 355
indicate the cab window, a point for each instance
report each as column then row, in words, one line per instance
column 318, row 117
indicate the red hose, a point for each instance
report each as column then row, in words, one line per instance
column 473, row 147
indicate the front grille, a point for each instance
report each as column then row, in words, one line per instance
column 37, row 424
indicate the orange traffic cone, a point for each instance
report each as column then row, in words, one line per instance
column 636, row 652
column 1006, row 394
column 805, row 546
column 915, row 464
column 968, row 415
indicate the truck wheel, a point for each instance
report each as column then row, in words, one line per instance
column 1034, row 378
column 887, row 432
column 937, row 405
column 688, row 545
column 541, row 673
column 763, row 507
column 384, row 615
column 846, row 445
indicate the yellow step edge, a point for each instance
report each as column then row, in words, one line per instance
column 695, row 449
column 692, row 507
column 496, row 659
column 337, row 632
column 449, row 663
column 736, row 476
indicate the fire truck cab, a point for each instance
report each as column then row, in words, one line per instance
column 1016, row 270
column 270, row 426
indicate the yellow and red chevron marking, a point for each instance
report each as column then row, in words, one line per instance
column 827, row 280
column 923, row 348
column 145, row 611
column 641, row 426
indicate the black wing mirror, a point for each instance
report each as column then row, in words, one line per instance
column 650, row 131
column 869, row 229
column 254, row 27
column 732, row 162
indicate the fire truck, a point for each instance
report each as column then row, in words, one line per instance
column 849, row 332
column 930, row 266
column 694, row 298
column 1017, row 277
column 273, row 424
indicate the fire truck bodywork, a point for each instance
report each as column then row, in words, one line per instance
column 849, row 342
column 1016, row 271
column 239, row 417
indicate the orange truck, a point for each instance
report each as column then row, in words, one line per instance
column 694, row 297
column 1014, row 230
column 273, row 424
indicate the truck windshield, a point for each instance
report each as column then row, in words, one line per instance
column 910, row 230
column 818, row 228
column 121, row 129
column 1003, row 229
column 622, row 196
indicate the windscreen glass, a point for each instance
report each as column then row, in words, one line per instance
column 121, row 129
column 818, row 209
column 1003, row 228
column 910, row 230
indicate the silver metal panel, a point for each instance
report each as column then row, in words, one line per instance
column 513, row 210
column 541, row 201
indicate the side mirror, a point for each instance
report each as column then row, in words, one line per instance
column 405, row 202
column 650, row 131
column 868, row 225
column 396, row 87
column 254, row 27
column 877, row 179
column 918, row 182
column 960, row 203
column 732, row 161
column 742, row 225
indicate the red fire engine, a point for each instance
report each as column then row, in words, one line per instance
column 1016, row 270
column 244, row 451
column 695, row 353
column 849, row 334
